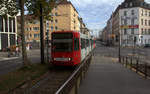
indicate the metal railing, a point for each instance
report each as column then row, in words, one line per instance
column 72, row 84
column 139, row 65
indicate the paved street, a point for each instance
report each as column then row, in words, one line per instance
column 143, row 53
column 105, row 76
column 13, row 63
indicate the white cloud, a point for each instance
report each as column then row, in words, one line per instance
column 95, row 13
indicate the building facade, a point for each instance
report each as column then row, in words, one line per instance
column 131, row 23
column 8, row 32
column 135, row 23
column 64, row 18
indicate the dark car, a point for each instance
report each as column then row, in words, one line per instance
column 147, row 45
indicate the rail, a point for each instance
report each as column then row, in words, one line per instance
column 71, row 85
column 139, row 65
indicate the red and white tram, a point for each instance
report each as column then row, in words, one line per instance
column 69, row 48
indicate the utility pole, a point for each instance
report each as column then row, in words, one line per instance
column 41, row 35
column 47, row 38
column 119, row 50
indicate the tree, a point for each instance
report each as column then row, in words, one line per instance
column 8, row 7
column 42, row 10
column 24, row 52
column 11, row 7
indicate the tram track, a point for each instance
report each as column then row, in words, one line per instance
column 48, row 84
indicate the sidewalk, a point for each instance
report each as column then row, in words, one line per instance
column 107, row 77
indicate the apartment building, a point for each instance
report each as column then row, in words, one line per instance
column 135, row 22
column 131, row 23
column 64, row 18
column 8, row 32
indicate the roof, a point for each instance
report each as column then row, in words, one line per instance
column 65, row 2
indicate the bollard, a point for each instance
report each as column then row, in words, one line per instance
column 120, row 59
column 126, row 61
column 131, row 63
column 145, row 70
column 137, row 65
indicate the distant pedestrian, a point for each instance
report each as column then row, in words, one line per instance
column 17, row 51
column 9, row 52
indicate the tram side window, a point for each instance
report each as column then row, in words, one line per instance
column 87, row 42
column 91, row 42
column 82, row 43
column 76, row 44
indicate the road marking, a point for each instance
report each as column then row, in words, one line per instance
column 11, row 58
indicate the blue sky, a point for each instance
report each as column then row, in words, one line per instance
column 95, row 13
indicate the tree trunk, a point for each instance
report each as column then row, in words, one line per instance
column 24, row 53
column 41, row 35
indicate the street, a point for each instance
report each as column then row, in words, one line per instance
column 13, row 63
column 141, row 53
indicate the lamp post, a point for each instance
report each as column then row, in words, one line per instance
column 119, row 50
column 47, row 39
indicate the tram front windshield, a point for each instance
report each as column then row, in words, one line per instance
column 62, row 42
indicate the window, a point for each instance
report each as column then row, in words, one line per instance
column 10, row 24
column 149, row 14
column 52, row 27
column 51, row 21
column 149, row 22
column 142, row 21
column 14, row 25
column 132, row 12
column 55, row 8
column 132, row 21
column 149, row 31
column 56, row 20
column 125, row 31
column 125, row 13
column 51, row 14
column 87, row 42
column 36, row 35
column 142, row 32
column 83, row 43
column 131, row 4
column 126, row 4
column 145, row 13
column 56, row 27
column 47, row 23
column 145, row 22
column 35, row 28
column 30, row 35
column 56, row 14
column 1, row 24
column 30, row 29
column 142, row 13
column 145, row 31
column 76, row 44
column 6, row 25
column 48, row 30
column 125, row 22
column 132, row 31
column 149, row 41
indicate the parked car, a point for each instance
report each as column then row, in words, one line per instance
column 147, row 45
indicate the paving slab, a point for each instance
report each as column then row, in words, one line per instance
column 105, row 76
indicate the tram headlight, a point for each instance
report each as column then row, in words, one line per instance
column 69, row 59
column 62, row 59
